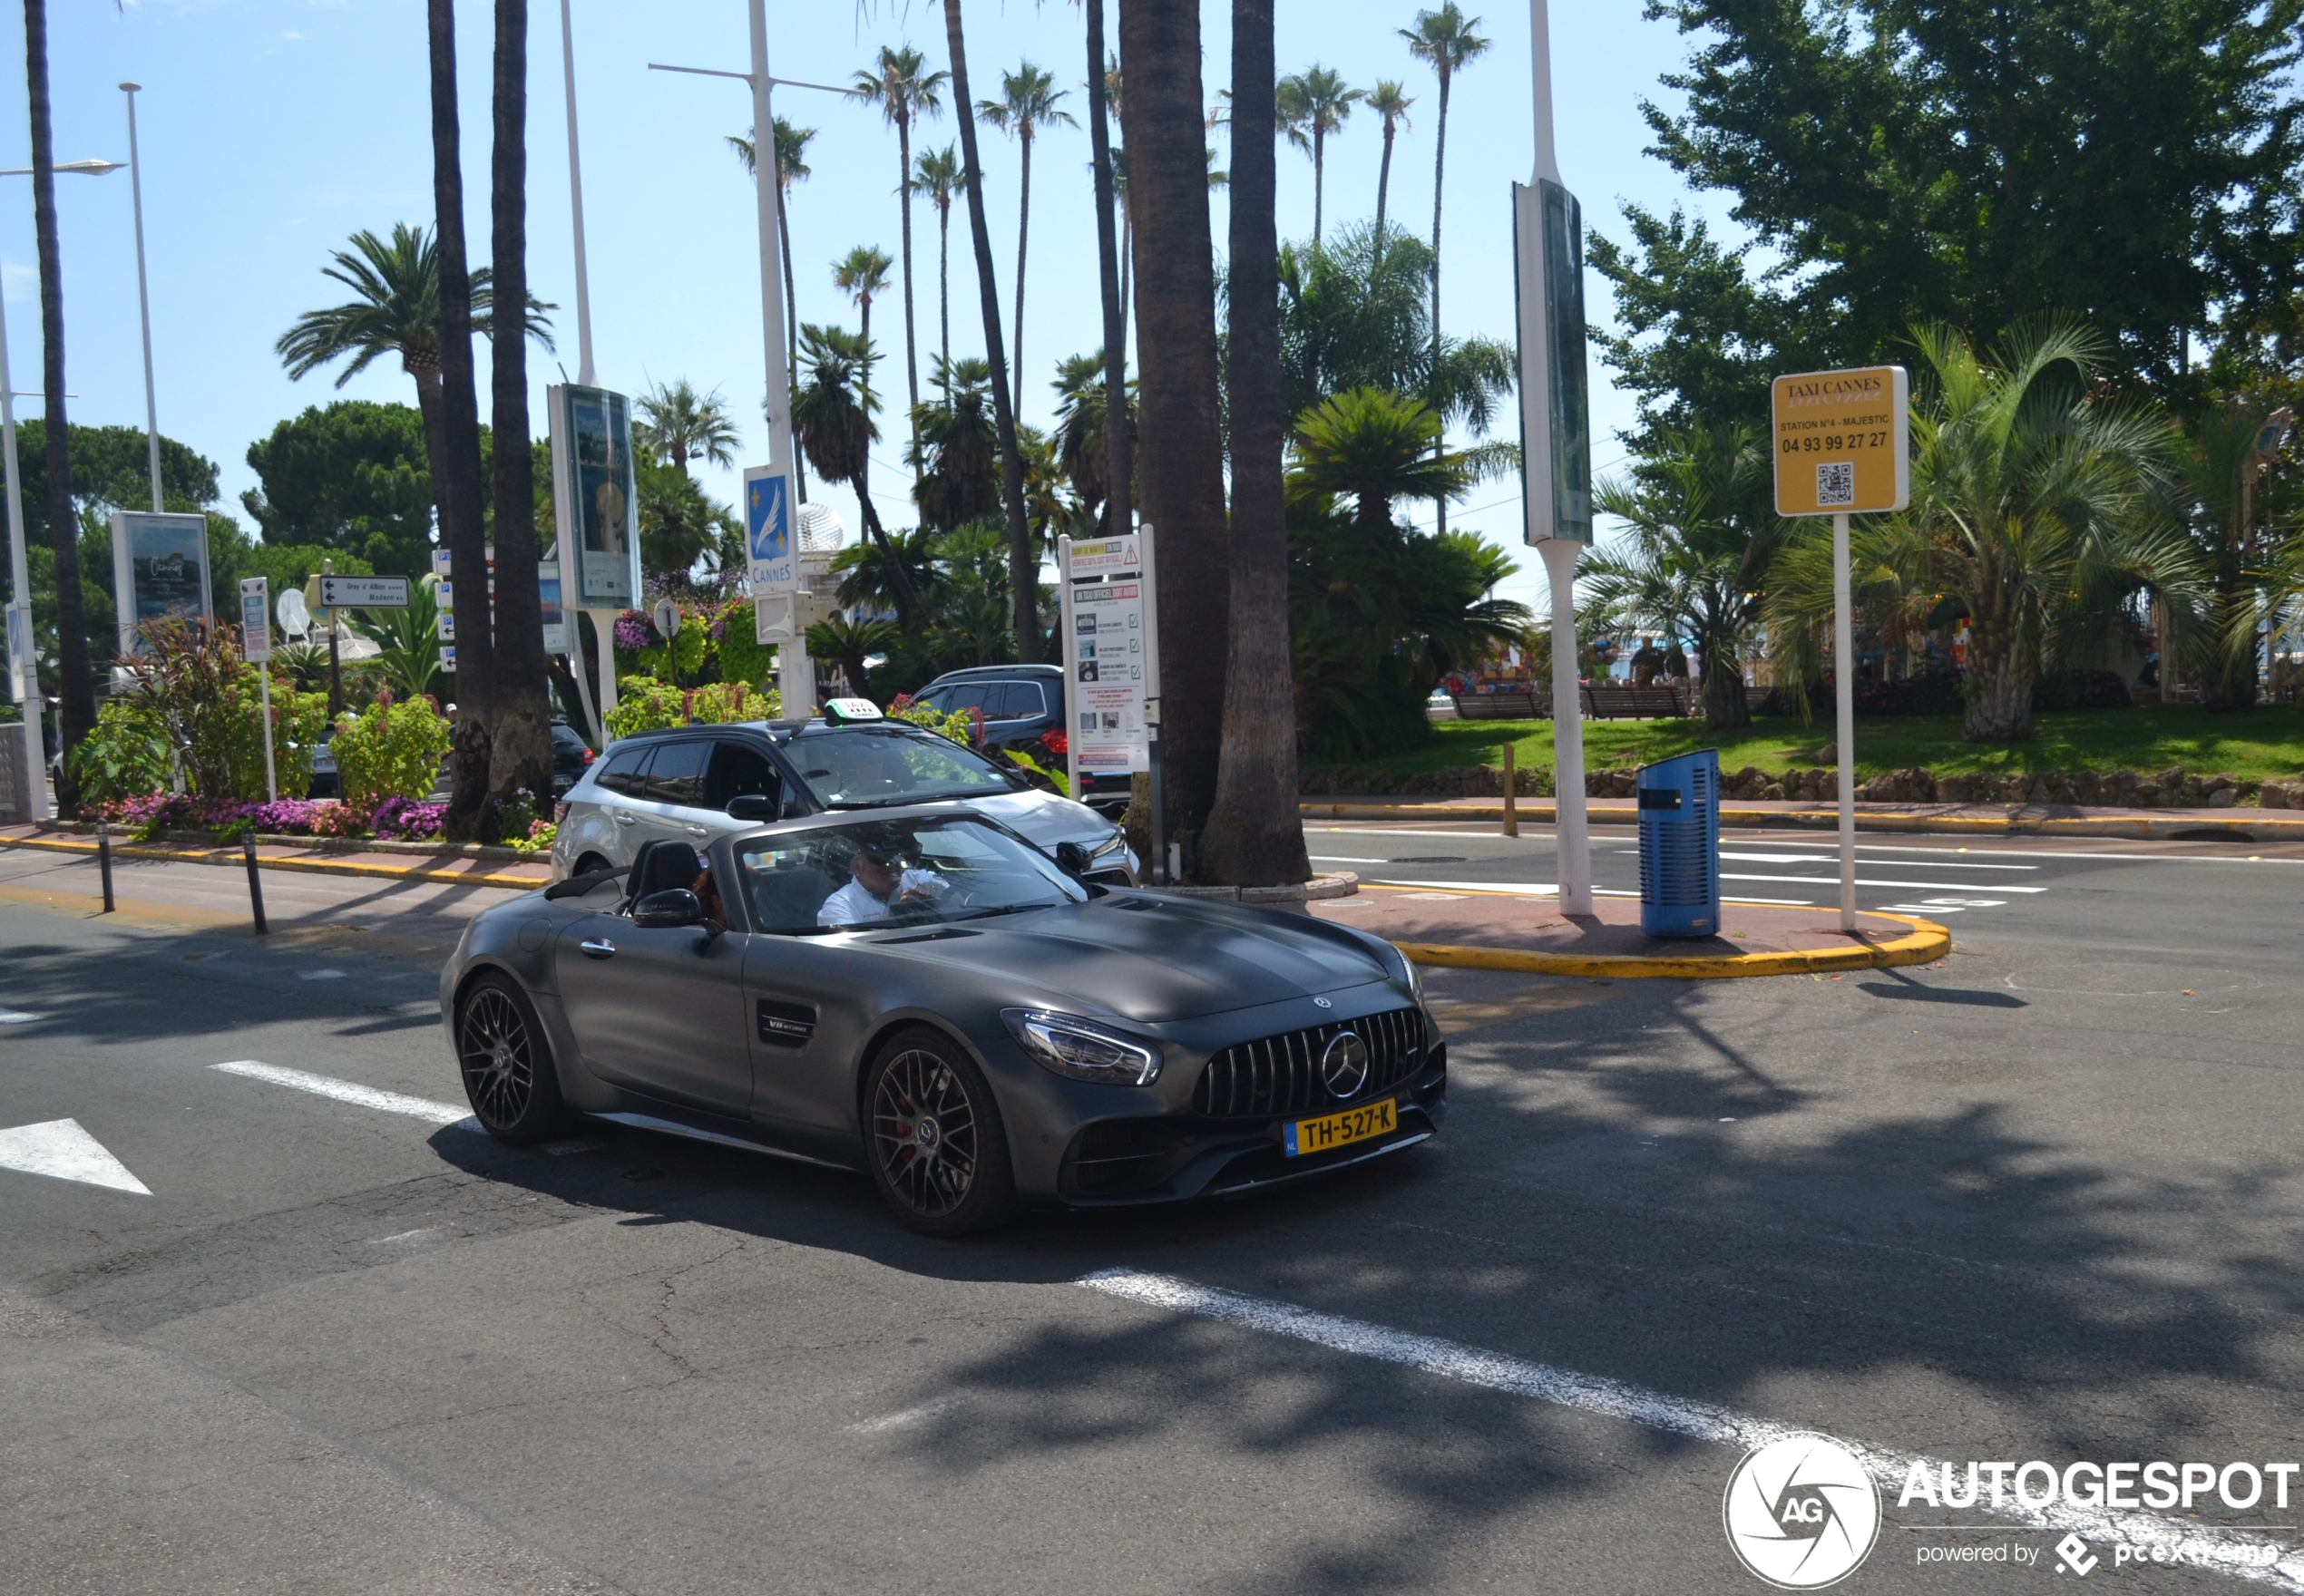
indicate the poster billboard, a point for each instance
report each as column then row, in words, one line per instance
column 159, row 568
column 548, row 601
column 1109, row 652
column 1556, row 410
column 593, row 497
column 771, row 555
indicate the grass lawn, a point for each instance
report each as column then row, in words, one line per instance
column 2252, row 745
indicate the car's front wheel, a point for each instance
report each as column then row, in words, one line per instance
column 507, row 1064
column 933, row 1138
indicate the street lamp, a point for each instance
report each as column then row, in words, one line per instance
column 143, row 298
column 23, row 667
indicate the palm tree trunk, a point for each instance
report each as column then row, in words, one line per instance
column 1439, row 171
column 1116, row 353
column 791, row 319
column 456, row 474
column 911, row 361
column 521, row 746
column 1127, row 262
column 1254, row 835
column 2000, row 697
column 1722, row 691
column 1023, row 237
column 1319, row 178
column 1023, row 568
column 1182, row 462
column 1383, row 185
column 944, row 287
column 76, row 689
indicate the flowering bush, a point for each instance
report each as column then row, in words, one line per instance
column 390, row 750
column 159, row 811
column 635, row 631
column 643, row 703
column 540, row 836
column 722, row 703
column 406, row 820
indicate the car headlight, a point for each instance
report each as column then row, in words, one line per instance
column 1082, row 1049
column 1407, row 973
column 1111, row 845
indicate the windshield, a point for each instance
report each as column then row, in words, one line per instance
column 859, row 765
column 894, row 872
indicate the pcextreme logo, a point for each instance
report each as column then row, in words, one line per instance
column 1801, row 1512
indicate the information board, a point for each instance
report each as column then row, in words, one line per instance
column 364, row 592
column 771, row 559
column 256, row 619
column 1111, row 652
column 1842, row 441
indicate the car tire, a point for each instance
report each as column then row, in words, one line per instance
column 933, row 1139
column 506, row 1062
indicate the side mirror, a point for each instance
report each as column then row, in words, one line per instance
column 1072, row 859
column 669, row 910
column 757, row 808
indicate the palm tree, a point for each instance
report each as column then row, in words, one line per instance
column 2223, row 455
column 1443, row 40
column 958, row 465
column 1311, row 106
column 2030, row 497
column 905, row 92
column 1180, row 456
column 862, row 275
column 1083, row 437
column 1101, row 91
column 1389, row 101
column 1024, row 594
column 456, row 470
column 847, row 642
column 1255, row 836
column 1702, row 537
column 681, row 425
column 1376, row 446
column 936, row 173
column 831, row 422
column 76, row 690
column 1026, row 104
column 791, row 167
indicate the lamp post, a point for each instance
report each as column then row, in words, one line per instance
column 23, row 665
column 143, row 297
column 796, row 674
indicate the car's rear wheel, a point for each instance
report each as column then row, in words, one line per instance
column 507, row 1064
column 933, row 1139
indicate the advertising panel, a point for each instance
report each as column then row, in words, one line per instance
column 593, row 497
column 772, row 555
column 159, row 567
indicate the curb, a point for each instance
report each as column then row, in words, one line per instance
column 2135, row 828
column 322, row 844
column 1927, row 942
column 233, row 857
column 1334, row 884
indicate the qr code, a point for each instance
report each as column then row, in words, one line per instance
column 1836, row 482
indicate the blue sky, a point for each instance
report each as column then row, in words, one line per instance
column 273, row 129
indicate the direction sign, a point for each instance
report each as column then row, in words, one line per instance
column 364, row 592
column 256, row 619
column 1841, row 442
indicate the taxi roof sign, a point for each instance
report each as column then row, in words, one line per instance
column 1841, row 442
column 843, row 710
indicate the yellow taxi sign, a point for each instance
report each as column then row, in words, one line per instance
column 1840, row 440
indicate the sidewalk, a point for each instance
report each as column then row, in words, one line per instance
column 450, row 866
column 1991, row 819
column 1472, row 929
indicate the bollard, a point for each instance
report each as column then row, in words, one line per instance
column 104, row 860
column 254, row 887
column 1511, row 807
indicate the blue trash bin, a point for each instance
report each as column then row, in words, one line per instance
column 1680, row 846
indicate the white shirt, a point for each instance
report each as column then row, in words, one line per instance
column 853, row 905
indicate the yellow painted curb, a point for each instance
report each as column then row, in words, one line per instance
column 1928, row 942
column 233, row 856
column 2136, row 828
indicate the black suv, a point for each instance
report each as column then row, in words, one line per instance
column 1021, row 704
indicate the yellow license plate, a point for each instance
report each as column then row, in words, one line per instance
column 1341, row 1129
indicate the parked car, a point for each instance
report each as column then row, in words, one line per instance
column 1021, row 704
column 915, row 992
column 678, row 783
column 571, row 755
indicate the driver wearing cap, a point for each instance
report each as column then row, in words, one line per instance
column 876, row 883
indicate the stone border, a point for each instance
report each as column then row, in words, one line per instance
column 1338, row 884
column 1927, row 942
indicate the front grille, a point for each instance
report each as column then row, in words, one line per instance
column 1281, row 1075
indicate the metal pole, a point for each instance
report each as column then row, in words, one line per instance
column 143, row 295
column 576, row 204
column 264, row 687
column 1844, row 682
column 795, row 673
column 254, row 887
column 1512, row 805
column 23, row 657
column 104, row 860
column 1571, row 830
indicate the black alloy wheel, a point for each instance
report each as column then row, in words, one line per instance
column 933, row 1138
column 506, row 1065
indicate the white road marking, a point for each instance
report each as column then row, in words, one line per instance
column 899, row 1421
column 424, row 1108
column 1343, row 858
column 1517, row 889
column 424, row 1235
column 60, row 1150
column 16, row 1016
column 2175, row 1540
column 319, row 975
column 1923, row 886
column 1830, row 858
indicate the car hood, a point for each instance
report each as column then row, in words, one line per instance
column 1171, row 961
column 1045, row 818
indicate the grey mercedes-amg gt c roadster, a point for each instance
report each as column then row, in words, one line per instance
column 920, row 993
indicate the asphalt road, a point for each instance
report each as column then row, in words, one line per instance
column 2038, row 1202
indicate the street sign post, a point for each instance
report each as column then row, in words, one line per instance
column 1842, row 445
column 364, row 592
column 256, row 648
column 1110, row 630
column 780, row 614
